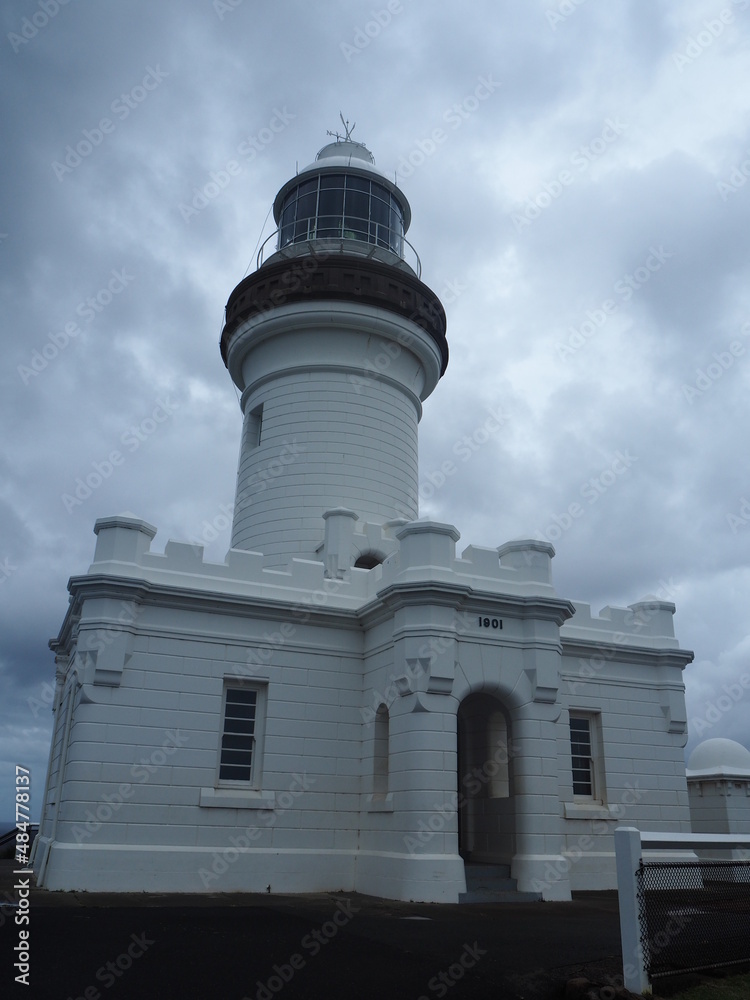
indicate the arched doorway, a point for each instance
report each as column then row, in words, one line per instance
column 486, row 814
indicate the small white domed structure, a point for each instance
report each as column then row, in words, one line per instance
column 718, row 778
column 719, row 756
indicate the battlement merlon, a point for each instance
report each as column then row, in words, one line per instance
column 412, row 552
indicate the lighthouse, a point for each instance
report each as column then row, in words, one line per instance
column 348, row 701
column 333, row 343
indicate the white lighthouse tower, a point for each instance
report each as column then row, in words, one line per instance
column 346, row 702
column 333, row 342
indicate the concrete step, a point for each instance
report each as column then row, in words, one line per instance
column 486, row 869
column 487, row 883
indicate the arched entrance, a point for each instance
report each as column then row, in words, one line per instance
column 486, row 813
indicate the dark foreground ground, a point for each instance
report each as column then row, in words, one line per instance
column 317, row 947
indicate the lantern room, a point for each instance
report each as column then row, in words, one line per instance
column 343, row 196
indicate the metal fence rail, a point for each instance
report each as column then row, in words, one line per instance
column 681, row 915
column 693, row 915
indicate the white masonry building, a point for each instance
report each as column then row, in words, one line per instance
column 348, row 702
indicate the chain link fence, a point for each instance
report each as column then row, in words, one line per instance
column 693, row 915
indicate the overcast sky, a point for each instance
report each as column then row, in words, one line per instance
column 577, row 173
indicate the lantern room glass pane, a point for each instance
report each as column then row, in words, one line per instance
column 331, row 201
column 287, row 222
column 329, row 227
column 328, row 181
column 335, row 206
column 306, row 206
column 358, row 204
column 357, row 214
column 380, row 219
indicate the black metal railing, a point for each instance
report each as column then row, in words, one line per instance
column 358, row 237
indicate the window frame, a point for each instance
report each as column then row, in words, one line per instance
column 254, row 782
column 381, row 753
column 597, row 795
column 254, row 427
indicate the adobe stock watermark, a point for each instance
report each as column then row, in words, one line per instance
column 471, row 784
column 707, row 377
column 121, row 108
column 430, row 651
column 260, row 654
column 103, row 637
column 110, row 803
column 248, row 149
column 388, row 351
column 7, row 569
column 109, row 973
column 391, row 692
column 714, row 711
column 311, row 944
column 88, row 309
column 258, row 482
column 564, row 10
column 224, row 7
column 571, row 856
column 581, row 158
column 635, row 621
column 464, row 449
column 31, row 26
column 742, row 518
column 46, row 698
column 445, row 979
column 455, row 116
column 271, row 470
column 737, row 179
column 223, row 859
column 131, row 440
column 625, row 288
column 370, row 30
column 592, row 490
column 697, row 44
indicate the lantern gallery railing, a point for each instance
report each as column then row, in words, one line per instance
column 353, row 236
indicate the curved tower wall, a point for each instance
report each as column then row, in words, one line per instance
column 331, row 411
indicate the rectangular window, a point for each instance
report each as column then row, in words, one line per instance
column 240, row 733
column 254, row 426
column 582, row 754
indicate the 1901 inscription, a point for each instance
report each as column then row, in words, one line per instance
column 490, row 622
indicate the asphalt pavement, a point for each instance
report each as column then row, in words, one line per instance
column 322, row 946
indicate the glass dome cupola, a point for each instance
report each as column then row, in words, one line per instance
column 342, row 196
